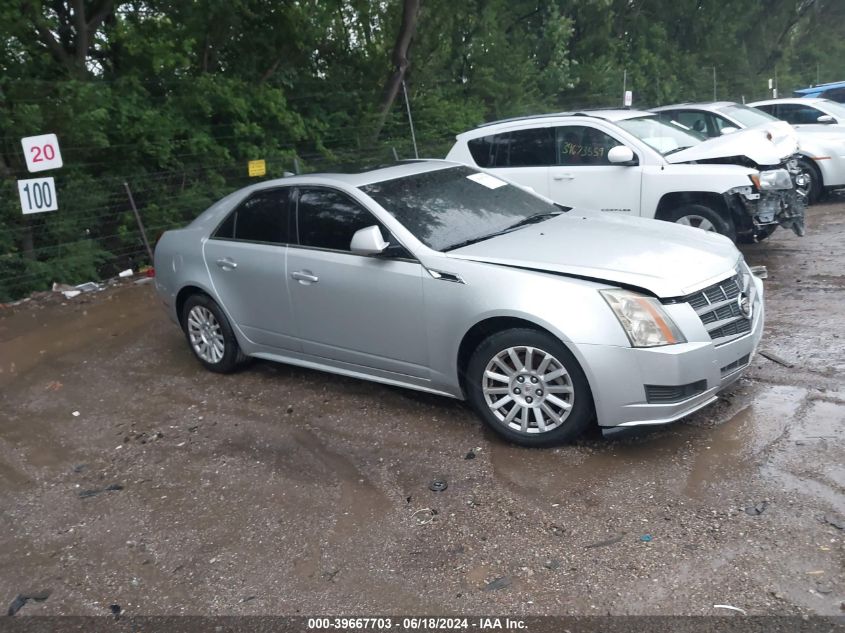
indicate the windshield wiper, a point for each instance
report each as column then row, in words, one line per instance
column 677, row 149
column 531, row 219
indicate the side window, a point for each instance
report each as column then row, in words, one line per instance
column 768, row 109
column 835, row 94
column 491, row 151
column 694, row 120
column 329, row 219
column 263, row 217
column 583, row 145
column 798, row 114
column 532, row 148
column 720, row 123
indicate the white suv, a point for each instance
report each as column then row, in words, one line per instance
column 630, row 162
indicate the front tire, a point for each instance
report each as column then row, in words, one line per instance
column 761, row 234
column 210, row 335
column 529, row 388
column 702, row 217
column 813, row 189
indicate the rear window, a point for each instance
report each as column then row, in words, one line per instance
column 534, row 147
column 263, row 217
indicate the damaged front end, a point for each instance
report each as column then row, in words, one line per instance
column 774, row 197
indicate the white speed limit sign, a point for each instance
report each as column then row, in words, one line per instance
column 41, row 152
column 37, row 195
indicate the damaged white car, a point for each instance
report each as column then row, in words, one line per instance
column 819, row 155
column 633, row 163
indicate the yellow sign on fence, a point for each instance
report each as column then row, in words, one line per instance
column 257, row 168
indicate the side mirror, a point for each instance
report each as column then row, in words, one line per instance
column 826, row 119
column 621, row 155
column 728, row 130
column 368, row 241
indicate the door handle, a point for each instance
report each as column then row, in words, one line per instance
column 563, row 177
column 305, row 277
column 227, row 264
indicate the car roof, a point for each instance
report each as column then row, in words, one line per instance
column 399, row 170
column 798, row 100
column 610, row 114
column 701, row 105
column 820, row 88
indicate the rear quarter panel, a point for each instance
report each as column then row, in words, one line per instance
column 179, row 263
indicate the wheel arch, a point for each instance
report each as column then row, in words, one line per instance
column 675, row 199
column 185, row 292
column 491, row 325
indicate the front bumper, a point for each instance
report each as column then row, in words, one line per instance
column 757, row 213
column 619, row 375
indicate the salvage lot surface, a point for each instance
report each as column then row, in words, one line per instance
column 287, row 491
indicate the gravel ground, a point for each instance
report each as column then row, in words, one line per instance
column 280, row 490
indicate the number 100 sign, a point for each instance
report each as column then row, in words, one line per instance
column 37, row 195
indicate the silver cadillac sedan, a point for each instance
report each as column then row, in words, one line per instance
column 438, row 277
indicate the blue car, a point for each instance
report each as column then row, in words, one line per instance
column 834, row 91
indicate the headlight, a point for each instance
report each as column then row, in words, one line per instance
column 772, row 179
column 643, row 319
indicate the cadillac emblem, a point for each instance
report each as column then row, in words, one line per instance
column 746, row 308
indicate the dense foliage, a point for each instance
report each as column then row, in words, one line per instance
column 173, row 96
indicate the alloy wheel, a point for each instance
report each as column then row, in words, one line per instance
column 697, row 221
column 528, row 390
column 205, row 334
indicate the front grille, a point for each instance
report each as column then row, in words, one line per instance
column 670, row 394
column 737, row 364
column 742, row 326
column 728, row 289
column 718, row 308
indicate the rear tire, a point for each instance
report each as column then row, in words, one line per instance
column 210, row 335
column 702, row 217
column 529, row 388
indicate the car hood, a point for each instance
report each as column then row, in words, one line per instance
column 751, row 142
column 668, row 260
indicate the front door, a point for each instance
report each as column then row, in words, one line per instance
column 361, row 310
column 583, row 177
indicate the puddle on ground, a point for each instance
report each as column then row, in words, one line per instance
column 707, row 453
column 809, row 461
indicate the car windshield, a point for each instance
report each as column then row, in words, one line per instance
column 836, row 109
column 747, row 116
column 664, row 136
column 457, row 206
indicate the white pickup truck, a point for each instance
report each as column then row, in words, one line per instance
column 633, row 163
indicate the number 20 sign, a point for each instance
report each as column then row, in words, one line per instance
column 42, row 152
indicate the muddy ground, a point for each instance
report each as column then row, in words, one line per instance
column 280, row 490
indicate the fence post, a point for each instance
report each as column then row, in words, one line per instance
column 410, row 119
column 140, row 224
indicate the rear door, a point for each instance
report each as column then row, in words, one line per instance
column 583, row 177
column 361, row 310
column 245, row 258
